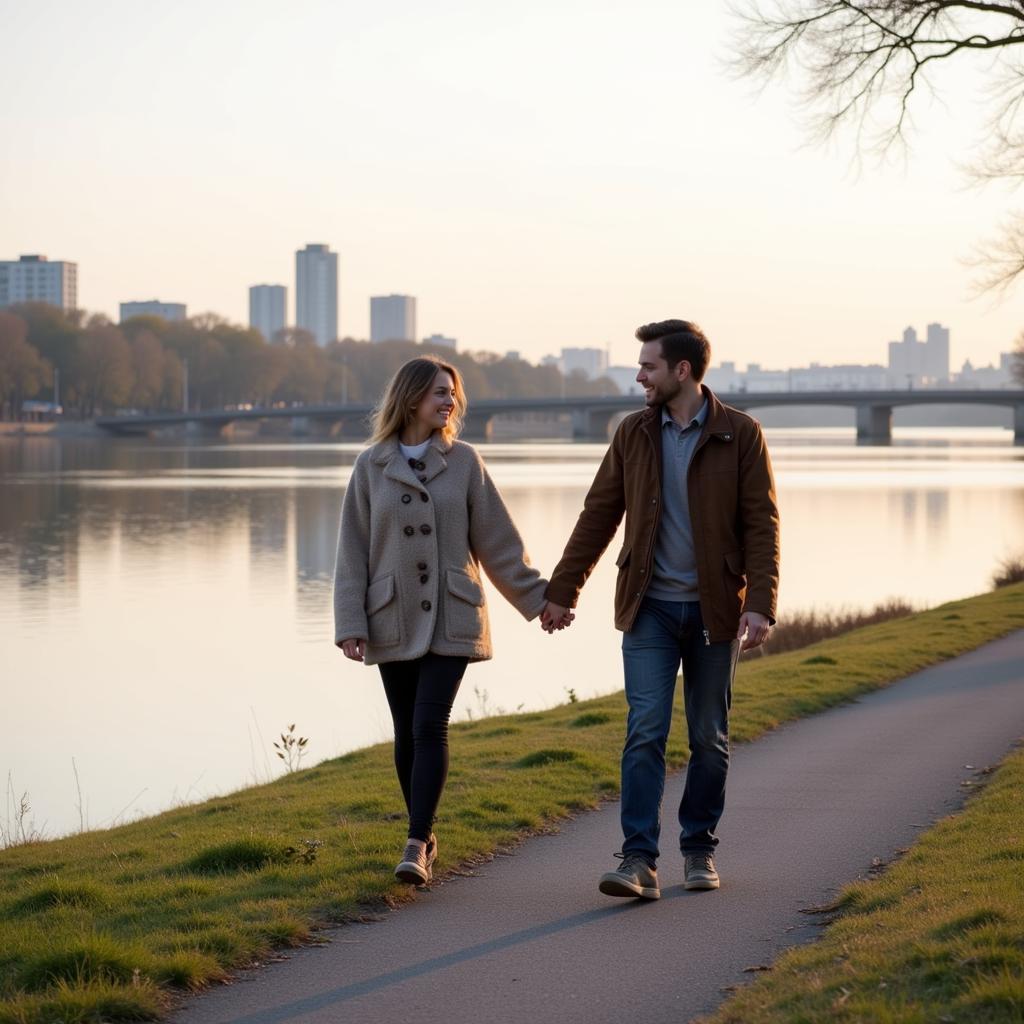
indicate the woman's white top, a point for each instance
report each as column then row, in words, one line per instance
column 414, row 451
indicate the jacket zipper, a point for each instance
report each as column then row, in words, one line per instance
column 700, row 444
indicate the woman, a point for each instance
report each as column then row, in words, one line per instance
column 420, row 516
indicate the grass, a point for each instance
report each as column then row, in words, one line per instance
column 939, row 936
column 108, row 925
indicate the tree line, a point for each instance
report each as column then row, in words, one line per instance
column 142, row 364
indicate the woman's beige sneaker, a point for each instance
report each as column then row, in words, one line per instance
column 417, row 863
column 633, row 877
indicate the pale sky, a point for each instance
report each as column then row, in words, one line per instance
column 539, row 175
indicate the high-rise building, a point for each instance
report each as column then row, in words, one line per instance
column 392, row 318
column 267, row 305
column 154, row 307
column 440, row 341
column 591, row 361
column 36, row 279
column 316, row 292
column 937, row 354
column 913, row 362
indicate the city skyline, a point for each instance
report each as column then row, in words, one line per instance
column 643, row 182
column 393, row 318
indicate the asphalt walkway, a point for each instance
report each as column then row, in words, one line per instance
column 528, row 937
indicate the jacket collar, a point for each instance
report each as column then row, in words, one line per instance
column 396, row 467
column 717, row 424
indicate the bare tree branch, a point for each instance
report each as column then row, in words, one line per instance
column 864, row 61
column 1000, row 261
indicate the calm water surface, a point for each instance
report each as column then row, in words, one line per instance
column 165, row 609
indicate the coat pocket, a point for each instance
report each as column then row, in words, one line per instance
column 734, row 582
column 623, row 560
column 464, row 612
column 382, row 612
column 734, row 561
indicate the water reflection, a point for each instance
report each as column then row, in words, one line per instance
column 172, row 603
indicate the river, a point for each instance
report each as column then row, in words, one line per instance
column 165, row 607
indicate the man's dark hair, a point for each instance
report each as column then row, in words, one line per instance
column 680, row 339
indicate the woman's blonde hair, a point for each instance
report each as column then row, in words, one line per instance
column 406, row 389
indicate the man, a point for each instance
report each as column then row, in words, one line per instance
column 698, row 576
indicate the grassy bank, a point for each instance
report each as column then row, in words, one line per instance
column 938, row 937
column 105, row 924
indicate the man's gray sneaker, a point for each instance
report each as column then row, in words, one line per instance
column 633, row 877
column 700, row 872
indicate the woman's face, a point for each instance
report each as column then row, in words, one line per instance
column 434, row 408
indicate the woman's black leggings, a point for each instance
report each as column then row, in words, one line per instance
column 420, row 694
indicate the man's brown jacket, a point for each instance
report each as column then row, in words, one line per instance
column 733, row 512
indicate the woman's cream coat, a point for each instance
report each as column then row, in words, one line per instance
column 412, row 540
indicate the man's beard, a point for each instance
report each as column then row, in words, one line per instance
column 664, row 393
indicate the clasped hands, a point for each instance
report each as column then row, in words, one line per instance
column 555, row 616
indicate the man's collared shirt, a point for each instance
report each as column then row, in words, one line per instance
column 675, row 563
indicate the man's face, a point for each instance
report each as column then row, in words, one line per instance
column 660, row 384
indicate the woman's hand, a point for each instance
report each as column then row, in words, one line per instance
column 556, row 616
column 354, row 649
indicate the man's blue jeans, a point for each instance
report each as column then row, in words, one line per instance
column 666, row 633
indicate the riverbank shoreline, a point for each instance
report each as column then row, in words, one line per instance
column 513, row 429
column 57, row 431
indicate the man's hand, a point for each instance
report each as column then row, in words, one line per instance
column 555, row 616
column 354, row 649
column 755, row 627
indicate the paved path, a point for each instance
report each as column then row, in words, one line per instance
column 529, row 938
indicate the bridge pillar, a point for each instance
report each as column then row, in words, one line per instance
column 210, row 428
column 1018, row 423
column 874, row 423
column 477, row 427
column 591, row 424
column 355, row 428
column 314, row 426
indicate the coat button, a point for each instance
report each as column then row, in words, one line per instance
column 406, row 498
column 408, row 531
column 654, row 501
column 421, row 465
column 422, row 479
column 424, row 529
column 422, row 566
column 424, row 496
column 424, row 578
column 425, row 605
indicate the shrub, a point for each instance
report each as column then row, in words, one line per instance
column 1010, row 570
column 802, row 629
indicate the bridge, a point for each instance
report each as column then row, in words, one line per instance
column 591, row 416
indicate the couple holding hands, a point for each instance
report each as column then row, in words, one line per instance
column 697, row 580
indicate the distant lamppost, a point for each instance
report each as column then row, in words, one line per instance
column 184, row 386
